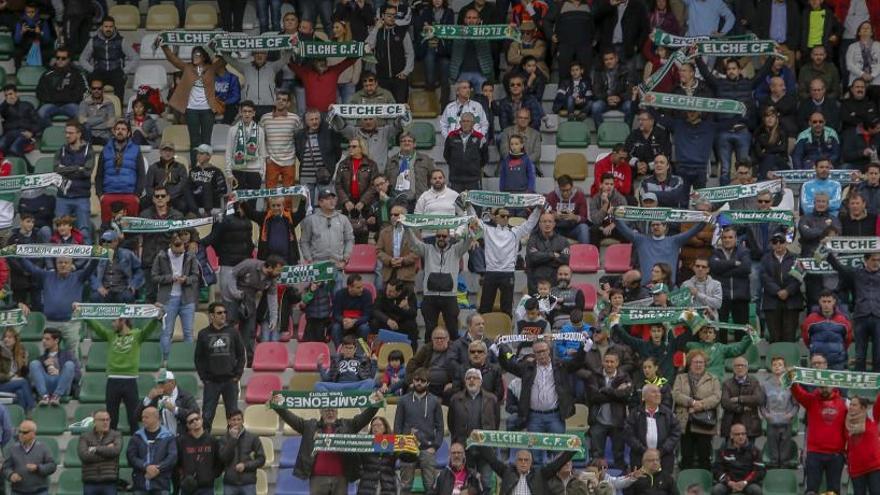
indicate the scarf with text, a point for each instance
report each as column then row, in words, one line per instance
column 492, row 199
column 240, row 42
column 245, row 144
column 693, row 103
column 325, row 49
column 525, row 440
column 367, row 110
column 434, row 222
column 670, row 215
column 567, row 336
column 154, row 225
column 678, row 57
column 856, row 380
column 289, row 399
column 322, row 271
column 180, row 37
column 733, row 48
column 366, row 444
column 852, row 244
column 102, row 311
column 56, row 251
column 482, row 32
column 12, row 318
column 724, row 194
column 805, row 175
column 16, row 183
column 744, row 217
column 632, row 315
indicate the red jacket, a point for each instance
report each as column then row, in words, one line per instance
column 863, row 450
column 622, row 176
column 826, row 420
column 578, row 200
column 841, row 8
column 320, row 88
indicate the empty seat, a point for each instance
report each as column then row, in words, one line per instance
column 780, row 482
column 578, row 422
column 270, row 356
column 181, row 357
column 20, row 167
column 32, row 331
column 423, row 104
column 363, row 259
column 70, row 482
column 584, row 258
column 618, row 258
column 44, row 165
column 289, row 452
column 263, row 480
column 545, row 185
column 306, row 357
column 260, row 420
column 572, row 134
column 52, row 139
column 791, row 352
column 7, row 47
column 268, row 451
column 573, row 165
column 52, row 420
column 96, row 360
column 611, row 133
column 303, row 381
column 151, row 357
column 152, row 75
column 92, row 388
column 127, row 17
column 260, row 388
column 162, row 17
column 201, row 16
column 425, row 134
column 687, row 477
column 497, row 323
column 218, row 137
column 386, row 349
column 177, row 135
column 28, row 77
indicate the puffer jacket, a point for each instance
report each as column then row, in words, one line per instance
column 161, row 452
column 102, row 465
column 734, row 278
column 378, row 468
column 246, row 449
column 828, row 336
column 75, row 168
column 232, row 239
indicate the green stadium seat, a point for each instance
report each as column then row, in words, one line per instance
column 85, row 410
column 51, row 444
column 16, row 414
column 28, row 77
column 32, row 99
column 688, row 477
column 71, row 458
column 146, row 381
column 572, row 134
column 181, row 357
column 44, row 165
column 97, row 357
column 423, row 104
column 151, row 357
column 33, row 349
column 19, row 166
column 93, row 389
column 70, row 482
column 188, row 382
column 790, row 463
column 425, row 135
column 780, row 482
column 788, row 350
column 52, row 139
column 51, row 420
column 32, row 331
column 611, row 133
column 123, row 459
column 7, row 47
column 752, row 356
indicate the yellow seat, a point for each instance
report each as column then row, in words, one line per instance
column 177, row 135
column 262, row 481
column 219, row 423
column 260, row 421
column 303, row 381
column 386, row 349
column 388, row 412
column 573, row 165
column 268, row 450
column 200, row 321
column 201, row 16
column 219, row 161
column 423, row 104
column 497, row 323
column 162, row 17
column 127, row 17
column 578, row 421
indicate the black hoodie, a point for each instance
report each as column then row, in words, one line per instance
column 199, row 460
column 220, row 354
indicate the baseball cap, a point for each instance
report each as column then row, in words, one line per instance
column 778, row 236
column 327, row 191
column 110, row 235
column 164, row 376
column 649, row 196
column 166, row 146
column 659, row 289
column 204, row 148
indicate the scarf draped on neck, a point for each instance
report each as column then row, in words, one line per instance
column 245, row 144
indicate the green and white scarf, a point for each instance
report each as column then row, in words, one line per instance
column 153, row 225
column 854, row 380
column 525, row 440
column 483, row 32
column 662, row 38
column 12, row 318
column 180, row 37
column 805, row 175
column 743, row 217
column 567, row 336
column 16, row 183
column 751, row 332
column 852, row 244
column 322, row 271
column 103, row 311
column 678, row 57
column 811, row 266
column 325, row 49
column 245, row 144
column 434, row 222
column 492, row 199
column 56, row 251
column 630, row 315
column 724, row 194
column 240, row 42
column 693, row 103
column 670, row 215
column 245, row 194
column 289, row 399
column 367, row 110
column 681, row 297
column 730, row 48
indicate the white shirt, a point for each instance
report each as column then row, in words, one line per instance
column 651, row 431
column 544, row 396
column 449, row 121
column 503, row 243
column 522, row 486
column 437, row 202
column 176, row 270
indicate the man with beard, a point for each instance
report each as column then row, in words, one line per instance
column 473, row 409
column 438, row 199
column 457, row 476
column 646, row 142
column 120, row 173
column 822, row 183
column 545, row 252
column 568, row 298
column 419, row 413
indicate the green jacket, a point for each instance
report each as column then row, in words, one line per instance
column 718, row 353
column 484, row 56
column 124, row 356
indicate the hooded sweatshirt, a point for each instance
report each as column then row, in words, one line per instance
column 826, row 433
column 199, row 458
column 219, row 354
column 124, row 356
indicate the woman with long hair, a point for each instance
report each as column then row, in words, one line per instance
column 863, row 59
column 144, row 128
column 770, row 144
column 13, row 369
column 354, row 178
column 696, row 394
column 863, row 446
column 661, row 273
column 350, row 76
column 379, row 476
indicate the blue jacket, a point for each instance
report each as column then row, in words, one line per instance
column 161, row 452
column 828, row 336
column 125, row 179
column 652, row 251
column 506, row 113
column 126, row 261
column 693, row 143
column 59, row 294
column 517, row 177
column 808, row 149
column 343, row 301
column 831, row 187
column 227, row 88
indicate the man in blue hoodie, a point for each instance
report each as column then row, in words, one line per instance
column 352, row 310
column 152, row 454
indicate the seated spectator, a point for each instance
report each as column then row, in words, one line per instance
column 569, row 299
column 617, row 163
column 171, row 174
column 98, row 114
column 856, row 107
column 738, row 467
column 396, row 310
column 524, row 472
column 770, row 143
column 785, row 102
column 574, row 94
column 655, row 479
column 652, row 426
column 516, row 98
column 352, row 310
column 781, row 68
column 174, row 404
column 669, row 190
column 278, row 229
column 828, row 331
column 569, row 205
column 860, row 144
column 347, row 371
column 612, row 89
column 819, row 102
column 778, row 411
column 601, row 208
column 393, row 379
column 856, row 221
column 816, row 143
column 209, row 186
column 530, row 320
column 21, row 123
column 144, row 127
column 55, row 371
column 61, row 88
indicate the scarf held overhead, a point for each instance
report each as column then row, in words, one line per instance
column 12, row 318
column 366, row 444
column 434, row 222
column 239, row 42
column 856, row 380
column 153, row 225
column 324, row 49
column 371, row 110
column 693, row 103
column 852, row 244
column 724, row 194
column 56, row 251
column 567, row 336
column 804, row 175
column 744, row 217
column 180, row 37
column 492, row 199
column 635, row 213
column 525, row 440
column 289, row 399
column 104, row 311
column 482, row 32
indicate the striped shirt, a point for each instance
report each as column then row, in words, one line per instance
column 279, row 137
column 311, row 160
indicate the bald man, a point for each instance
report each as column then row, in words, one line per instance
column 28, row 462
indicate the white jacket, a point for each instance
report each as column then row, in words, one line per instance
column 854, row 62
column 452, row 113
column 502, row 243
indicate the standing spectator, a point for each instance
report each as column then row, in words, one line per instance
column 438, row 199
column 758, row 237
column 502, row 246
column 394, row 251
column 657, row 248
column 152, row 244
column 320, row 80
column 623, row 28
column 152, row 454
column 738, row 466
column 819, row 103
column 703, row 18
column 647, row 141
column 123, row 362
column 693, row 134
column 518, row 98
column 652, row 426
column 612, row 86
column 669, row 190
column 394, row 54
column 770, row 143
column 198, row 456
column 251, row 298
column 208, row 183
column 545, row 252
column 120, row 173
column 862, row 446
column 782, row 300
column 316, row 147
column 55, row 371
column 457, row 475
column 466, row 151
column 819, row 68
column 828, row 331
column 108, row 57
column 857, row 221
column 471, row 60
column 419, row 413
column 97, row 114
column 220, row 358
column 516, row 170
column 569, row 26
column 826, row 435
column 741, row 396
column 717, row 353
column 463, row 104
column 779, row 410
column 730, row 265
column 409, row 171
column 174, row 404
column 232, row 240
column 327, row 234
column 98, row 450
column 354, row 174
column 259, row 75
column 866, row 315
column 28, row 463
column 170, row 173
column 241, row 453
column 74, row 163
column 696, row 393
column 438, row 360
column 608, row 394
column 227, row 87
column 470, row 409
column 176, row 272
column 77, row 22
column 279, row 127
column 21, row 123
column 705, row 290
column 245, row 150
column 61, row 88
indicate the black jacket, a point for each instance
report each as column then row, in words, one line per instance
column 199, row 459
column 537, row 477
column 465, row 162
column 377, row 468
column 646, row 148
column 232, row 239
column 527, row 371
column 385, row 309
column 246, row 449
column 457, row 418
column 153, row 243
column 636, row 430
column 659, row 484
column 186, row 404
column 776, row 276
column 328, row 144
column 762, row 17
column 445, row 481
column 573, row 28
column 61, row 87
column 853, row 142
column 635, row 26
column 737, row 464
column 732, row 273
column 854, row 112
column 598, row 394
column 219, row 354
column 593, row 359
column 21, row 116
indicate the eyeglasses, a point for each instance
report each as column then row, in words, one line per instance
column 160, row 196
column 515, row 84
column 25, row 432
column 477, row 351
column 193, row 420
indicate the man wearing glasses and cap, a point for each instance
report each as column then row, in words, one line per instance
column 327, row 234
column 174, row 404
column 28, row 462
column 782, row 300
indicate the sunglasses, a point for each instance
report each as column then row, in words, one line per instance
column 477, row 351
column 61, row 58
column 817, row 121
column 777, row 241
column 441, row 236
column 160, row 196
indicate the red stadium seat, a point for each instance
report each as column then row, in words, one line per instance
column 212, row 258
column 371, row 289
column 363, row 259
column 270, row 356
column 618, row 258
column 590, row 295
column 301, row 327
column 306, row 357
column 260, row 388
column 584, row 258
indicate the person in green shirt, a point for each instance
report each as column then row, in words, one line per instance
column 718, row 352
column 123, row 362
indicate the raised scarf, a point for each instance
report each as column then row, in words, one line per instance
column 245, row 144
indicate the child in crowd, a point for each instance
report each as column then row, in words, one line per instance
column 393, row 379
column 516, row 171
column 573, row 95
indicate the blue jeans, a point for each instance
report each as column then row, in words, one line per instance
column 99, row 489
column 436, row 69
column 311, row 9
column 239, row 490
column 13, row 142
column 267, row 335
column 49, row 110
column 79, row 208
column 867, row 329
column 572, row 107
column 831, row 465
column 476, row 78
column 867, row 484
column 173, row 309
column 599, row 107
column 336, row 331
column 269, row 14
column 22, row 390
column 47, row 384
column 124, row 297
column 579, row 232
column 366, row 385
column 731, row 141
column 547, row 422
column 344, row 92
